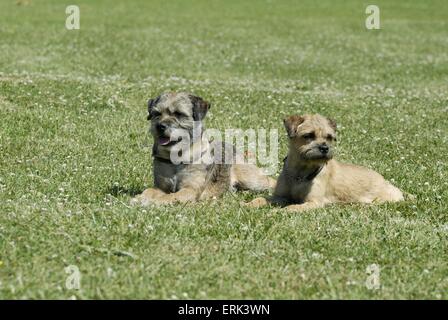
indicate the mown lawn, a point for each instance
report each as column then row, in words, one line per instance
column 74, row 147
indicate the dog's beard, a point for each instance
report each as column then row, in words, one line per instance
column 315, row 155
column 181, row 147
column 166, row 141
column 163, row 141
column 170, row 137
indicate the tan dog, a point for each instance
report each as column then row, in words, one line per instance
column 311, row 178
column 174, row 113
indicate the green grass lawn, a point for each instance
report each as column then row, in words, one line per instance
column 74, row 147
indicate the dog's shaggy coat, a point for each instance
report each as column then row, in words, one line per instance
column 192, row 181
column 311, row 178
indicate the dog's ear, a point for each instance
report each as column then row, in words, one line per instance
column 291, row 123
column 332, row 123
column 200, row 107
column 151, row 104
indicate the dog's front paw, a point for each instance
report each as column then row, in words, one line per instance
column 147, row 198
column 303, row 207
column 256, row 203
column 140, row 201
column 294, row 208
column 134, row 201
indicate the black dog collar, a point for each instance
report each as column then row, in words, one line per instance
column 309, row 177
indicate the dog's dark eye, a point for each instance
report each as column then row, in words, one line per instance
column 179, row 114
column 310, row 135
column 331, row 138
column 155, row 114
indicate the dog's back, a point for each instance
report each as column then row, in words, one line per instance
column 353, row 183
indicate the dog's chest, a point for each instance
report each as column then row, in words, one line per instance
column 167, row 176
column 171, row 178
column 299, row 191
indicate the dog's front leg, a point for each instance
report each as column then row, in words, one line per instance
column 149, row 196
column 183, row 195
column 157, row 197
column 261, row 202
column 257, row 203
column 304, row 206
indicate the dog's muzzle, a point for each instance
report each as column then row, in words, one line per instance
column 163, row 136
column 167, row 136
column 320, row 152
column 161, row 127
column 323, row 148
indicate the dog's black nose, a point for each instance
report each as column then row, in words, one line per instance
column 161, row 127
column 323, row 148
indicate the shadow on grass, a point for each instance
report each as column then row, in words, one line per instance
column 118, row 190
